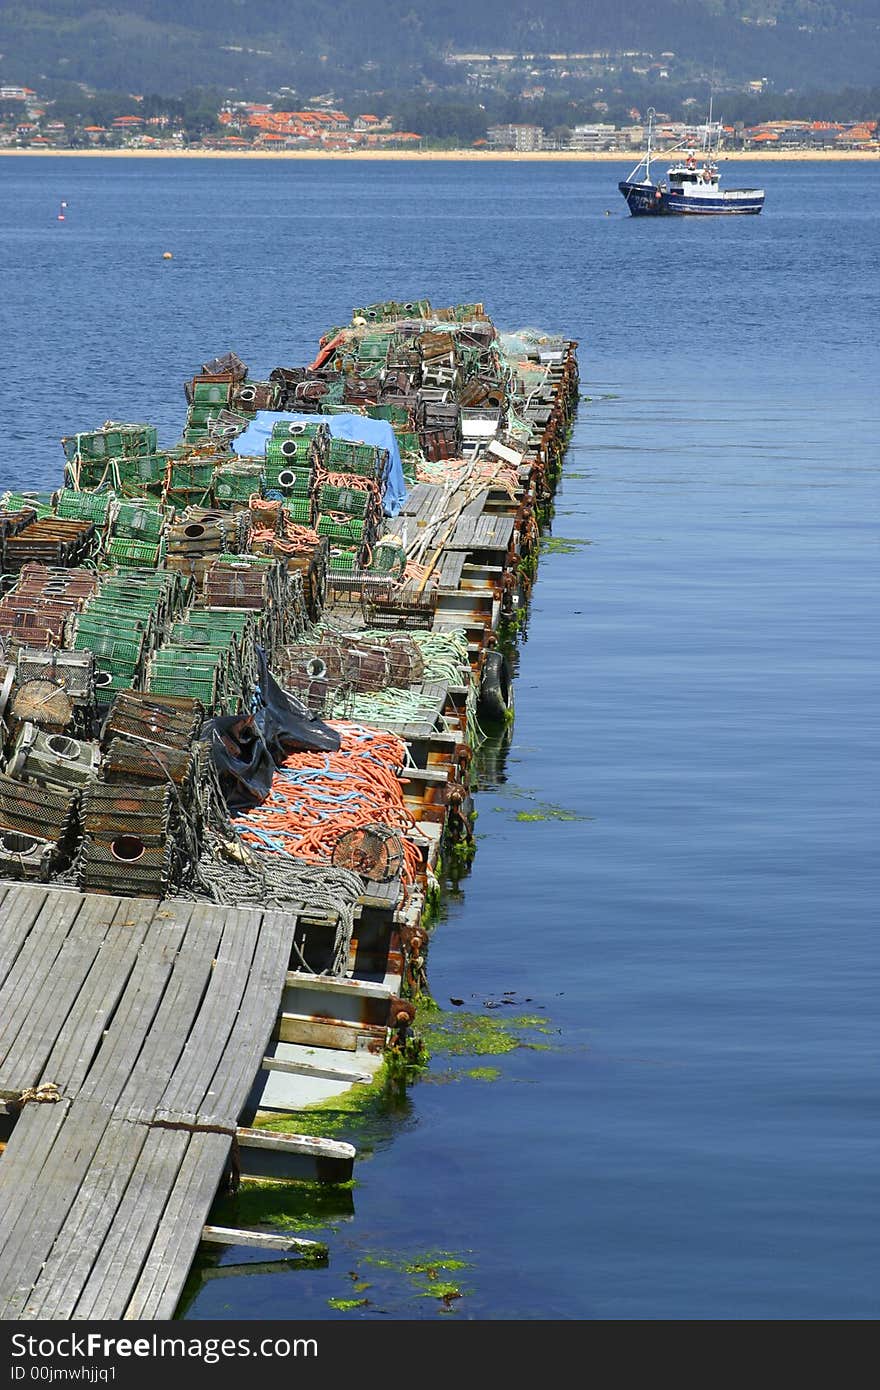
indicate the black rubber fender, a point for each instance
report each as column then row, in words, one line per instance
column 496, row 690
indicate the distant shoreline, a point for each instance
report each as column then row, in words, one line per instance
column 456, row 156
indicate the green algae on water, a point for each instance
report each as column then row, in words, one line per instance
column 561, row 545
column 549, row 812
column 367, row 1115
column 484, row 1073
column 443, row 1291
column 294, row 1206
column 345, row 1305
column 465, row 1034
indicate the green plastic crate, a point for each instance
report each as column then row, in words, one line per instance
column 297, row 480
column 116, row 441
column 342, row 561
column 298, row 429
column 299, row 509
column 347, row 456
column 350, row 532
column 349, row 500
column 40, row 502
column 93, row 475
column 203, row 690
column 128, row 552
column 289, row 453
column 105, row 694
column 394, row 414
column 237, row 484
column 138, row 522
column 191, row 475
column 84, row 506
column 408, row 442
column 214, row 393
column 115, row 653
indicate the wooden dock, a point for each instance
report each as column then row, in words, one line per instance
column 137, row 1034
column 147, row 1021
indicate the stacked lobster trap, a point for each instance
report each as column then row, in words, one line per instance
column 37, row 829
column 221, row 401
column 124, row 622
column 142, row 822
column 327, row 672
column 37, row 609
column 294, row 453
column 210, row 657
column 348, row 500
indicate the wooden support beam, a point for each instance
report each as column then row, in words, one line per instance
column 350, row 1077
column 334, row 984
column 290, row 1157
column 261, row 1240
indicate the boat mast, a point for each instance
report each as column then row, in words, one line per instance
column 651, row 115
column 646, row 157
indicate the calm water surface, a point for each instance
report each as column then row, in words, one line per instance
column 697, row 687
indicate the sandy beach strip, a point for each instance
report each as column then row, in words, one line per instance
column 453, row 156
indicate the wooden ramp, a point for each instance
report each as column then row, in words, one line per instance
column 151, row 1018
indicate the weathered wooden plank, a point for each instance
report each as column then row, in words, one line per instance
column 126, row 1246
column 315, row 1070
column 382, row 895
column 164, row 1273
column 422, row 500
column 44, row 1205
column 92, row 1215
column 21, row 907
column 263, row 1154
column 176, row 1014
column 451, row 568
column 23, row 1161
column 89, row 1016
column 28, row 978
column 115, row 1059
column 184, row 1092
column 231, row 1084
column 334, row 984
column 327, row 1032
column 47, row 1011
column 478, row 505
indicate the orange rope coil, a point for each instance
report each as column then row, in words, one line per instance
column 316, row 797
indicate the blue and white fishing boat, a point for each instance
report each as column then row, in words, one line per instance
column 689, row 188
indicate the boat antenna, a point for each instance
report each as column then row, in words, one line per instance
column 707, row 142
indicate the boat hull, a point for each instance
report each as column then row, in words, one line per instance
column 643, row 199
column 648, row 200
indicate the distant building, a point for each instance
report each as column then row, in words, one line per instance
column 598, row 136
column 516, row 137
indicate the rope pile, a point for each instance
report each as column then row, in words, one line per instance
column 236, row 877
column 316, row 797
column 273, row 530
column 487, row 471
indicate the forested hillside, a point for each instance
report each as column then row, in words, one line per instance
column 172, row 45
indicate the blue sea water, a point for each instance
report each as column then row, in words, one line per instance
column 697, row 688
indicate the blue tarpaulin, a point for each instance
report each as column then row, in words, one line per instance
column 359, row 428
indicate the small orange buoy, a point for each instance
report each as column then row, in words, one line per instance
column 167, row 256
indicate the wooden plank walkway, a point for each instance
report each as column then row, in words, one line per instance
column 151, row 1018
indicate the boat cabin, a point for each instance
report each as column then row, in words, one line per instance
column 688, row 176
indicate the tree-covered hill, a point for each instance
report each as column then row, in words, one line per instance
column 313, row 45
